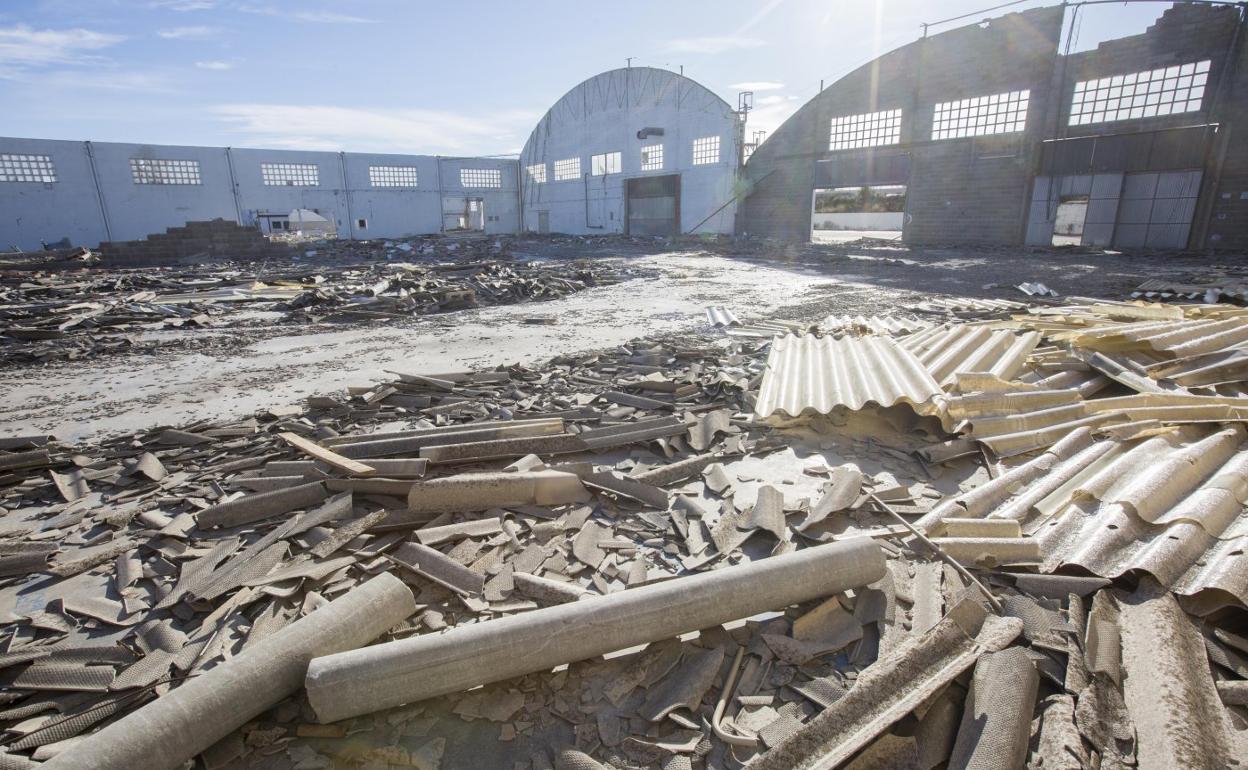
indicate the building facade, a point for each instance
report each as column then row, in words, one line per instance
column 89, row 192
column 987, row 134
column 638, row 151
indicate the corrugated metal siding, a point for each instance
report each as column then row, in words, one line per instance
column 818, row 374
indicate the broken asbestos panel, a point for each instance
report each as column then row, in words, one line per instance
column 482, row 491
column 996, row 722
column 892, row 687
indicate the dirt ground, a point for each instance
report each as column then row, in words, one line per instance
column 230, row 372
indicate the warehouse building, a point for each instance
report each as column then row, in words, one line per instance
column 639, row 151
column 988, row 134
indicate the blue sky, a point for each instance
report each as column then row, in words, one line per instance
column 425, row 77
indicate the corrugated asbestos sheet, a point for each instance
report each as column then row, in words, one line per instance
column 821, row 373
column 967, row 305
column 946, row 350
column 718, row 315
column 875, row 324
column 1169, row 505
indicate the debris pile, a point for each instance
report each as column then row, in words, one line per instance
column 52, row 315
column 982, row 535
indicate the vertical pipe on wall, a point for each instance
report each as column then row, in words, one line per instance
column 346, row 191
column 99, row 190
column 238, row 203
column 441, row 214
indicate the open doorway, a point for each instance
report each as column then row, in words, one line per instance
column 841, row 214
column 1072, row 213
column 463, row 214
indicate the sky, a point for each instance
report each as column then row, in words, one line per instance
column 410, row 76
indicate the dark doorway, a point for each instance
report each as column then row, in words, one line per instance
column 653, row 205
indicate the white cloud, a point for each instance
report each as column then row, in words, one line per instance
column 756, row 85
column 323, row 127
column 22, row 47
column 329, row 17
column 183, row 5
column 713, row 44
column 100, row 79
column 187, row 33
column 215, row 65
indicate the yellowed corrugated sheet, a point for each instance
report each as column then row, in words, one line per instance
column 971, row 348
column 888, row 325
column 818, row 374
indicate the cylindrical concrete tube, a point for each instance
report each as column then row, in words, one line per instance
column 179, row 725
column 382, row 676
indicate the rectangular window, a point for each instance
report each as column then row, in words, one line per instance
column 567, row 169
column 868, row 129
column 981, row 115
column 537, row 173
column 392, row 176
column 1164, row 91
column 652, row 158
column 290, row 174
column 26, row 168
column 706, row 150
column 606, row 163
column 481, row 177
column 151, row 171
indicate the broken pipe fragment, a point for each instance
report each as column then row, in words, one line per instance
column 362, row 681
column 190, row 718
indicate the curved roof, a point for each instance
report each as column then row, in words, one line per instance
column 628, row 88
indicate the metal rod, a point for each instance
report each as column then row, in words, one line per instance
column 946, row 558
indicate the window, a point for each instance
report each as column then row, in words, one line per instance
column 706, row 150
column 361, row 224
column 982, row 115
column 606, row 163
column 150, row 171
column 868, row 129
column 481, row 177
column 26, row 168
column 567, row 169
column 537, row 173
column 392, row 176
column 290, row 174
column 652, row 157
column 1165, row 91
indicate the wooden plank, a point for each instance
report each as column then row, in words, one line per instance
column 333, row 459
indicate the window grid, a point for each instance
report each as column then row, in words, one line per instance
column 982, row 115
column 652, row 157
column 569, row 168
column 393, row 176
column 481, row 177
column 27, row 168
column 1163, row 91
column 868, row 129
column 606, row 163
column 290, row 174
column 153, row 171
column 705, row 150
column 537, row 173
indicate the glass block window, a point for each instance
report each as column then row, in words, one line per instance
column 981, row 115
column 567, row 169
column 606, row 163
column 26, row 168
column 290, row 174
column 652, row 157
column 537, row 173
column 151, row 171
column 706, row 150
column 481, row 177
column 1164, row 91
column 868, row 129
column 393, row 176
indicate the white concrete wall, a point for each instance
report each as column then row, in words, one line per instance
column 89, row 207
column 604, row 114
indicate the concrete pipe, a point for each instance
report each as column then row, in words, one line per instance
column 179, row 725
column 361, row 681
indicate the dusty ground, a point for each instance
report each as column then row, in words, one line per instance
column 234, row 372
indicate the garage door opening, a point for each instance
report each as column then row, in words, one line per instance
column 840, row 214
column 652, row 206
